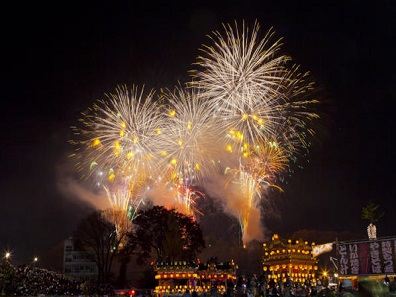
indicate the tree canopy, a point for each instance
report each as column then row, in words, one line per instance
column 166, row 234
column 370, row 212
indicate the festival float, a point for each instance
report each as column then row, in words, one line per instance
column 175, row 277
column 287, row 259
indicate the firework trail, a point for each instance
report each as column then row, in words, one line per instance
column 117, row 213
column 258, row 170
column 255, row 96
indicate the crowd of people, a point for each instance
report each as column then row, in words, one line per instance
column 364, row 287
column 30, row 281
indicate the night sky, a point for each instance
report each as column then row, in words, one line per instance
column 59, row 58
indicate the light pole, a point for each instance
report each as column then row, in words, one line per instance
column 335, row 262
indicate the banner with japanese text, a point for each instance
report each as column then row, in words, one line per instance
column 367, row 257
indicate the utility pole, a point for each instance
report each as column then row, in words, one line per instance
column 334, row 261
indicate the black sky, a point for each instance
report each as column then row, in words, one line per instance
column 59, row 58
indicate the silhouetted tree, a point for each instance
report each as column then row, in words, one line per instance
column 172, row 243
column 191, row 236
column 167, row 233
column 98, row 237
column 124, row 258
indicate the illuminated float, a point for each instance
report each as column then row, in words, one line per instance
column 175, row 277
column 287, row 259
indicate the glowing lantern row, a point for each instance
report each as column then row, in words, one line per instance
column 301, row 267
column 175, row 275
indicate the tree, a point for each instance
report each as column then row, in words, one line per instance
column 124, row 258
column 191, row 235
column 122, row 222
column 172, row 242
column 166, row 233
column 99, row 238
column 369, row 212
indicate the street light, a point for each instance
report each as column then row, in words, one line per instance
column 7, row 255
column 35, row 259
column 325, row 278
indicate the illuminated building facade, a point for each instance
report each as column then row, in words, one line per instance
column 285, row 259
column 177, row 276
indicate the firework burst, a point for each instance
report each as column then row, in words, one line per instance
column 118, row 137
column 241, row 76
column 190, row 138
column 251, row 87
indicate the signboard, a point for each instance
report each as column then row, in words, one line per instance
column 366, row 257
column 322, row 248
